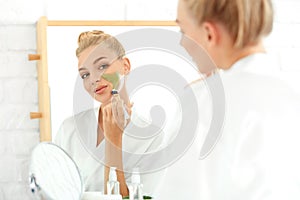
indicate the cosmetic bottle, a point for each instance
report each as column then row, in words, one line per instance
column 113, row 186
column 135, row 187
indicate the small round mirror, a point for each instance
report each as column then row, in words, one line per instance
column 53, row 174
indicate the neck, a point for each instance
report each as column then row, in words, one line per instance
column 235, row 54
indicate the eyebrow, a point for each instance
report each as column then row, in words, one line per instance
column 98, row 59
column 81, row 68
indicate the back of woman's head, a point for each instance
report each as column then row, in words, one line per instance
column 97, row 37
column 247, row 21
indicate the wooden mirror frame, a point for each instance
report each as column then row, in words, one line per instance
column 44, row 113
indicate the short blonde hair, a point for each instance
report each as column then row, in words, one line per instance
column 247, row 21
column 97, row 37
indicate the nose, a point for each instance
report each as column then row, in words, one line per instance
column 95, row 79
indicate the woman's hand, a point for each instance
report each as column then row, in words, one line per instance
column 115, row 119
column 112, row 131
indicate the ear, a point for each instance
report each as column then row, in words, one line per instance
column 212, row 33
column 126, row 65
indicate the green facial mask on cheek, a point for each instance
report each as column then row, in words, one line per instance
column 112, row 78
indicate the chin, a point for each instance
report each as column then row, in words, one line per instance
column 103, row 98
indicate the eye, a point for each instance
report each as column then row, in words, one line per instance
column 83, row 76
column 103, row 66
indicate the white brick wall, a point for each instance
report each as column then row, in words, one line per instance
column 86, row 10
column 18, row 77
column 21, row 12
column 151, row 10
column 18, row 94
column 285, row 40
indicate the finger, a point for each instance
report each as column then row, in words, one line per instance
column 119, row 106
column 114, row 109
column 107, row 112
column 103, row 112
column 117, row 115
column 128, row 109
column 131, row 104
column 120, row 111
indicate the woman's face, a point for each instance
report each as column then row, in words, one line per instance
column 93, row 62
column 194, row 39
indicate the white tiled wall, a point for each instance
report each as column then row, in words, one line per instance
column 18, row 77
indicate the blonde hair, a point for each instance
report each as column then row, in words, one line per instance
column 97, row 37
column 247, row 21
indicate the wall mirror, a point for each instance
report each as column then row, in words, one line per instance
column 57, row 65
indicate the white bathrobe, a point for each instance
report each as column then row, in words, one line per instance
column 257, row 155
column 78, row 135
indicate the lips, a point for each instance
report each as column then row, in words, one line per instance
column 100, row 89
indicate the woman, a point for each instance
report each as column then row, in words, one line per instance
column 96, row 145
column 255, row 158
